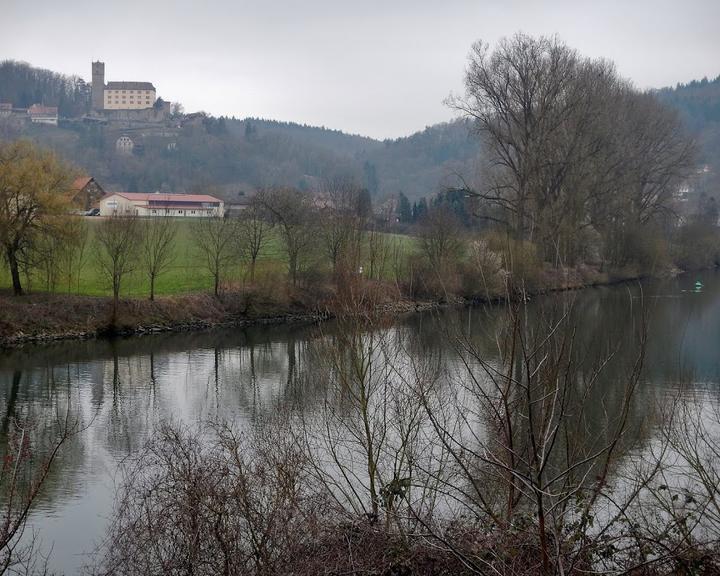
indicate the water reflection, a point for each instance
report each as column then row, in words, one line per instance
column 124, row 387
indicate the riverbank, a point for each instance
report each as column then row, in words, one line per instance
column 42, row 317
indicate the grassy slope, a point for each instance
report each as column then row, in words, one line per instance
column 186, row 274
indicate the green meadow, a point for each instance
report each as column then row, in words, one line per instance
column 187, row 272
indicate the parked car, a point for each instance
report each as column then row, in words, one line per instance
column 93, row 212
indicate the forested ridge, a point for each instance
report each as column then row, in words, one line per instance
column 234, row 155
column 699, row 105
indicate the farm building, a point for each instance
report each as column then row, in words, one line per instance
column 86, row 192
column 158, row 204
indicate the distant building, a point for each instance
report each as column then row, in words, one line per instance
column 160, row 204
column 119, row 95
column 86, row 193
column 124, row 145
column 43, row 114
column 6, row 109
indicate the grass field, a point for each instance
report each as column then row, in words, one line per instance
column 186, row 273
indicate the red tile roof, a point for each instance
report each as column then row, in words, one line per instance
column 174, row 206
column 42, row 110
column 157, row 197
column 81, row 182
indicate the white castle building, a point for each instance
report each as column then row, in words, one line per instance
column 119, row 95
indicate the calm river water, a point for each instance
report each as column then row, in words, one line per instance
column 122, row 388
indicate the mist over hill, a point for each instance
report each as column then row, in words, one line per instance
column 193, row 152
column 699, row 105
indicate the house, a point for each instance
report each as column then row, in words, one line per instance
column 159, row 204
column 86, row 193
column 40, row 114
column 6, row 109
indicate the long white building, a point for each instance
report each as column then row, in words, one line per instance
column 158, row 204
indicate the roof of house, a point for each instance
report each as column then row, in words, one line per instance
column 80, row 182
column 129, row 86
column 167, row 206
column 40, row 109
column 158, row 197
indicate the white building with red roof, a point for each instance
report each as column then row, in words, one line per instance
column 40, row 114
column 160, row 204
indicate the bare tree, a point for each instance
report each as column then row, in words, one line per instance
column 22, row 476
column 567, row 143
column 440, row 238
column 291, row 210
column 253, row 233
column 214, row 239
column 342, row 221
column 520, row 95
column 75, row 253
column 118, row 238
column 158, row 248
column 378, row 249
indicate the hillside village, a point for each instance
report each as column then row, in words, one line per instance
column 126, row 136
column 129, row 110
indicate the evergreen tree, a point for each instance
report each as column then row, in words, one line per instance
column 404, row 208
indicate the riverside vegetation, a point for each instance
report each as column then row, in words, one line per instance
column 408, row 470
column 578, row 183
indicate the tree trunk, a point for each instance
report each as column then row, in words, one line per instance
column 152, row 287
column 14, row 272
column 293, row 269
column 116, row 300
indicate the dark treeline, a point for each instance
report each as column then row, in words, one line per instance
column 698, row 101
column 22, row 86
column 699, row 105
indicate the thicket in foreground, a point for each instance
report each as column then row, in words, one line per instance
column 516, row 464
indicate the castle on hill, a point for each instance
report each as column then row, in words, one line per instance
column 119, row 95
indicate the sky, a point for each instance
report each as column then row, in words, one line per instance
column 377, row 68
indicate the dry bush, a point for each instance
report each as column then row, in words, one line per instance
column 482, row 274
column 520, row 462
column 208, row 502
column 519, row 258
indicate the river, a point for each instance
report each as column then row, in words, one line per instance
column 121, row 389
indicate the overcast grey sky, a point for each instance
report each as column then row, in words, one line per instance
column 370, row 67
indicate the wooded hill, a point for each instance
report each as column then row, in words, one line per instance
column 233, row 156
column 699, row 106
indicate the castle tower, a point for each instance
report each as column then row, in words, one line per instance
column 98, row 85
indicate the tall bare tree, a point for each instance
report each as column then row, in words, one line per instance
column 158, row 248
column 253, row 233
column 292, row 211
column 75, row 254
column 214, row 239
column 440, row 238
column 118, row 238
column 342, row 221
column 567, row 143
